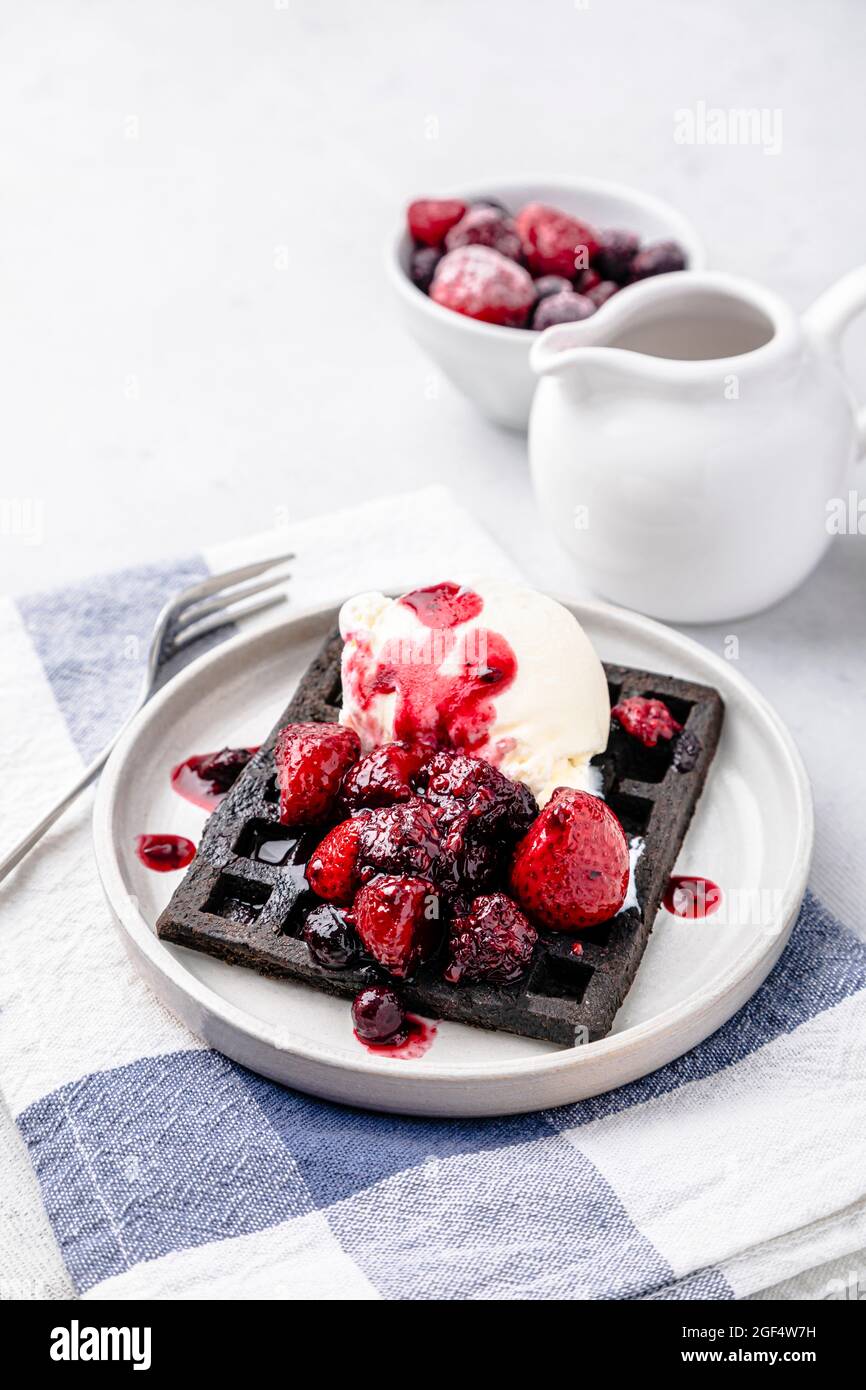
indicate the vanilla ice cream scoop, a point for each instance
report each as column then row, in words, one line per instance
column 489, row 666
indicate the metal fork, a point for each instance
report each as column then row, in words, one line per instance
column 191, row 614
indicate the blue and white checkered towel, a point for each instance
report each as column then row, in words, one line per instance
column 167, row 1171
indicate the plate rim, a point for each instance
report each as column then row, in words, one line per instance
column 752, row 966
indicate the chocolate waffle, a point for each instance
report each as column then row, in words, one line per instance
column 245, row 897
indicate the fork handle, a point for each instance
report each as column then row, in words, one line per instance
column 23, row 848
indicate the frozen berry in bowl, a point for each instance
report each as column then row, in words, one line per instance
column 331, row 941
column 587, row 280
column 615, row 255
column 483, row 284
column 646, row 719
column 311, row 762
column 551, row 284
column 492, row 943
column 660, row 259
column 422, row 266
column 398, row 920
column 554, row 242
column 494, row 203
column 484, row 226
column 430, row 219
column 378, row 1016
column 571, row 869
column 566, row 307
column 602, row 292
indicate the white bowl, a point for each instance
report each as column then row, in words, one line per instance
column 490, row 364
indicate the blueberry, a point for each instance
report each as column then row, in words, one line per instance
column 551, row 284
column 659, row 259
column 330, row 939
column 603, row 292
column 613, row 260
column 490, row 203
column 687, row 750
column 422, row 266
column 566, row 307
column 378, row 1015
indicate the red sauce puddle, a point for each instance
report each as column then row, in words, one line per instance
column 692, row 898
column 419, row 1039
column 163, row 853
column 188, row 782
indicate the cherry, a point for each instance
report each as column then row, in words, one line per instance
column 379, row 1016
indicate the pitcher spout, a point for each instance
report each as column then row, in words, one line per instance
column 564, row 352
column 561, row 348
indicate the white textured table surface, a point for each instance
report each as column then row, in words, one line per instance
column 195, row 330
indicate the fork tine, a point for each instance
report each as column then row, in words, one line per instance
column 221, row 619
column 200, row 608
column 215, row 582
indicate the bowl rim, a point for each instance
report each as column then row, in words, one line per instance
column 681, row 228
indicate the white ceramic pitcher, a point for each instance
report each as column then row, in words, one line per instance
column 688, row 443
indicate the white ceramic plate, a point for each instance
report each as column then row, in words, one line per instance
column 752, row 834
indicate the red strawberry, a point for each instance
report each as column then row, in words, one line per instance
column 647, row 720
column 571, row 869
column 493, row 942
column 482, row 284
column 555, row 243
column 398, row 921
column 332, row 871
column 312, row 760
column 430, row 218
column 385, row 775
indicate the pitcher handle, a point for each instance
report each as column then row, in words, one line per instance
column 830, row 315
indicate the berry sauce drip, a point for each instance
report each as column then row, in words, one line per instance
column 415, row 1041
column 693, row 898
column 454, row 706
column 443, row 605
column 205, row 778
column 163, row 853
